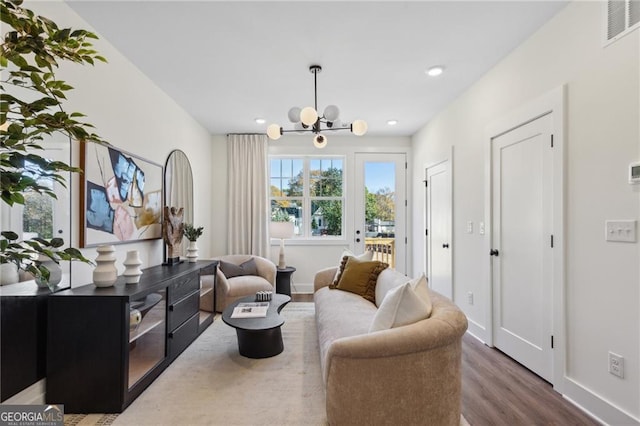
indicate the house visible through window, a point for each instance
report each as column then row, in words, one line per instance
column 309, row 191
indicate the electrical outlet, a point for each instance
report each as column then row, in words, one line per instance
column 481, row 231
column 616, row 365
column 470, row 227
column 470, row 297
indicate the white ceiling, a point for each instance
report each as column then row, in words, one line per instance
column 229, row 62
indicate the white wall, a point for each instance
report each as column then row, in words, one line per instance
column 132, row 113
column 602, row 279
column 307, row 257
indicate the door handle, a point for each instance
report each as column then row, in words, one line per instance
column 445, row 245
column 494, row 252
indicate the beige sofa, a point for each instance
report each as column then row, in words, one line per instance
column 409, row 375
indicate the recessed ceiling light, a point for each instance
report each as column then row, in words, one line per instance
column 260, row 120
column 392, row 122
column 435, row 71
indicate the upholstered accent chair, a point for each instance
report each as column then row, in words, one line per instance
column 245, row 275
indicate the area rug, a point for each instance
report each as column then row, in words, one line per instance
column 211, row 384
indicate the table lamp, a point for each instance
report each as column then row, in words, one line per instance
column 281, row 230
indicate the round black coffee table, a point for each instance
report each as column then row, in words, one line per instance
column 259, row 337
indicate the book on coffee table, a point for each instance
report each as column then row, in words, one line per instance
column 250, row 310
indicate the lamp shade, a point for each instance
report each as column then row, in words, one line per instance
column 274, row 131
column 320, row 141
column 281, row 230
column 308, row 116
column 294, row 114
column 359, row 127
column 331, row 113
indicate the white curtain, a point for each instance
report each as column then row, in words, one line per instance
column 248, row 195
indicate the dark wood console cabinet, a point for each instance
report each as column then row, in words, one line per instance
column 23, row 337
column 99, row 362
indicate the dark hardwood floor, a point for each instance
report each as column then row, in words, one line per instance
column 498, row 391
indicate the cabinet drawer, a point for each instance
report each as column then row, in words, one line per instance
column 182, row 286
column 182, row 336
column 183, row 309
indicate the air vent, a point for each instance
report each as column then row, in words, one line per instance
column 616, row 18
column 634, row 12
column 623, row 16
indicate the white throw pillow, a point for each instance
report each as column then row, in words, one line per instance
column 401, row 306
column 420, row 286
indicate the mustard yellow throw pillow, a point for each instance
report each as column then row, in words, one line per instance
column 359, row 277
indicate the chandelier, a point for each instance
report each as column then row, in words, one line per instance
column 309, row 120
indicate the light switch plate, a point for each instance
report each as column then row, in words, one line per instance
column 620, row 230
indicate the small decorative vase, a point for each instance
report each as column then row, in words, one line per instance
column 132, row 269
column 8, row 273
column 192, row 252
column 134, row 319
column 106, row 273
column 55, row 273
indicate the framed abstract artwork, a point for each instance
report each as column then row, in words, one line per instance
column 121, row 197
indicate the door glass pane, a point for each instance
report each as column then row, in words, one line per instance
column 380, row 210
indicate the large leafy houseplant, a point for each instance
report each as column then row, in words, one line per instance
column 31, row 111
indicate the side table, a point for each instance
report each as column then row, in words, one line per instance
column 283, row 280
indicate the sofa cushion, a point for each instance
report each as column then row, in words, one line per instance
column 231, row 270
column 402, row 305
column 359, row 277
column 340, row 314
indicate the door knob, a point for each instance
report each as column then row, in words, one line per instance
column 494, row 252
column 358, row 232
column 357, row 240
column 445, row 245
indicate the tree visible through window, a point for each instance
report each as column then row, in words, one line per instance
column 309, row 184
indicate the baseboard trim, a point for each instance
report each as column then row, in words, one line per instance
column 598, row 408
column 477, row 331
column 302, row 288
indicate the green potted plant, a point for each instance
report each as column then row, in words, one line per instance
column 192, row 233
column 31, row 111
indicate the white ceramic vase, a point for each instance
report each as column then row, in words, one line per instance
column 132, row 269
column 55, row 273
column 192, row 252
column 8, row 273
column 105, row 274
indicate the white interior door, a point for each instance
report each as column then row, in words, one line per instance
column 438, row 232
column 522, row 208
column 380, row 207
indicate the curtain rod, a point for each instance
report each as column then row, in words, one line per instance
column 231, row 134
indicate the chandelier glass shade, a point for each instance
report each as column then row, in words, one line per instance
column 308, row 119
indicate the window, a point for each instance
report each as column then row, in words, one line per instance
column 310, row 192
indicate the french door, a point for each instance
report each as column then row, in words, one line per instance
column 381, row 207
